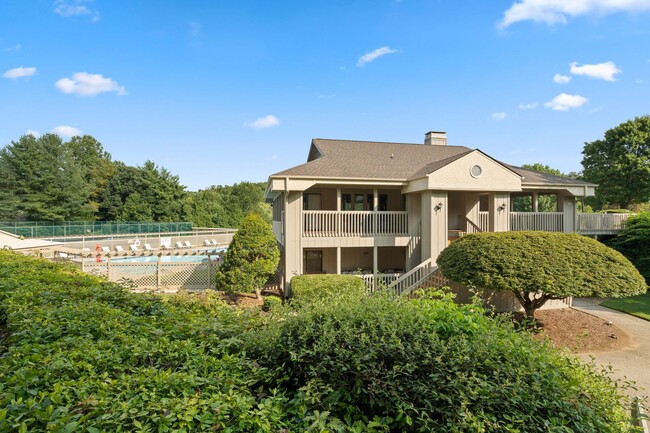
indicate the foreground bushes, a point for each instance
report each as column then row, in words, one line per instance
column 313, row 288
column 85, row 355
column 430, row 365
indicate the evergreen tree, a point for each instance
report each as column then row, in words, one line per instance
column 251, row 259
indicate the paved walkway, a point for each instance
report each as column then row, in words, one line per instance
column 632, row 363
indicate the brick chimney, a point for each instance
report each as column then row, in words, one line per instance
column 435, row 138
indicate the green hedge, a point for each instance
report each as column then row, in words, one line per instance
column 86, row 355
column 432, row 366
column 311, row 288
column 89, row 356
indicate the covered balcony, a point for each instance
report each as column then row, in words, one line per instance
column 322, row 223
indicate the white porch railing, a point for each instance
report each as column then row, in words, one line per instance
column 376, row 282
column 541, row 221
column 608, row 223
column 323, row 223
column 412, row 278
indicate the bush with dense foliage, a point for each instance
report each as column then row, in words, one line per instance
column 313, row 288
column 251, row 259
column 539, row 266
column 634, row 242
column 86, row 355
column 431, row 366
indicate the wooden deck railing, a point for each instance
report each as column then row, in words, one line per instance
column 541, row 221
column 376, row 282
column 412, row 278
column 322, row 223
column 594, row 223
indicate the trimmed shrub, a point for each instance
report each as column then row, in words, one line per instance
column 634, row 243
column 251, row 259
column 430, row 366
column 86, row 355
column 271, row 303
column 312, row 288
column 538, row 266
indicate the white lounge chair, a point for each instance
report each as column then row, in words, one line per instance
column 134, row 248
column 147, row 247
column 207, row 243
column 188, row 244
column 166, row 247
column 214, row 243
column 119, row 249
column 179, row 245
column 106, row 250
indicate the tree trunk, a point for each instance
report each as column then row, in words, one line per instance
column 258, row 293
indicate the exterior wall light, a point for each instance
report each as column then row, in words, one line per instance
column 438, row 206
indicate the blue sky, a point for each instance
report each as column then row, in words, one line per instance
column 221, row 91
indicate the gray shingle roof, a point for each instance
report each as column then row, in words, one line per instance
column 374, row 160
column 537, row 177
column 395, row 161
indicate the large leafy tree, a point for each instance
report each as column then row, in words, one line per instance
column 43, row 181
column 540, row 266
column 96, row 165
column 634, row 242
column 620, row 163
column 252, row 257
column 146, row 193
column 227, row 205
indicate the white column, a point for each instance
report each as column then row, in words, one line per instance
column 535, row 202
column 375, row 261
column 338, row 260
column 338, row 199
column 375, row 200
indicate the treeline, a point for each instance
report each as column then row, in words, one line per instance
column 47, row 179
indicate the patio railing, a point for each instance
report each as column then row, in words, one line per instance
column 541, row 221
column 322, row 223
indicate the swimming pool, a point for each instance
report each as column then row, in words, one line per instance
column 168, row 259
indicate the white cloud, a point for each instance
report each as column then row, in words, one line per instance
column 499, row 116
column 564, row 102
column 373, row 55
column 66, row 131
column 601, row 71
column 84, row 84
column 561, row 79
column 194, row 28
column 73, row 8
column 530, row 106
column 33, row 133
column 558, row 11
column 267, row 121
column 19, row 72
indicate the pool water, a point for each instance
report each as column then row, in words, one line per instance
column 165, row 259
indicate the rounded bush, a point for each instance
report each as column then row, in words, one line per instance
column 538, row 266
column 430, row 366
column 311, row 288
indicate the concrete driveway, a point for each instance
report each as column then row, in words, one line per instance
column 632, row 363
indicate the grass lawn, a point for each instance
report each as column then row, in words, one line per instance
column 635, row 305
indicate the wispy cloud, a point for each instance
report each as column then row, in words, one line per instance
column 501, row 115
column 19, row 72
column 66, row 131
column 564, row 102
column 73, row 8
column 601, row 71
column 267, row 121
column 558, row 11
column 374, row 55
column 530, row 106
column 194, row 28
column 13, row 48
column 85, row 84
column 561, row 79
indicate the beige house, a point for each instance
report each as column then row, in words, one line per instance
column 386, row 210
